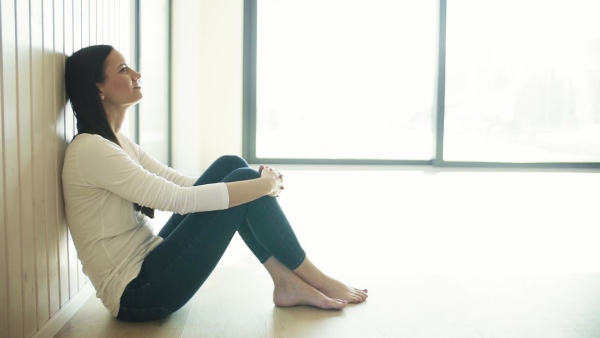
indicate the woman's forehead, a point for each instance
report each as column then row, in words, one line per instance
column 115, row 58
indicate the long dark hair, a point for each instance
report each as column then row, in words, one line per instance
column 83, row 70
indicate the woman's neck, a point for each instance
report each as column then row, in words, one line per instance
column 116, row 116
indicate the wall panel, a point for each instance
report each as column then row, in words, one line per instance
column 39, row 270
column 3, row 237
column 11, row 176
column 39, row 193
column 25, row 170
column 48, row 153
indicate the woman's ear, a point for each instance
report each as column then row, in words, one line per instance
column 100, row 93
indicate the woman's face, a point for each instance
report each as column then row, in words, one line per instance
column 121, row 86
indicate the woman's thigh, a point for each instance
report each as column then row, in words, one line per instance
column 174, row 271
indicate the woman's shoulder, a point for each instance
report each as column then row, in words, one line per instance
column 91, row 142
column 123, row 139
column 128, row 145
column 84, row 137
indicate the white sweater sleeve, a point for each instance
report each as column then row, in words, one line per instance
column 106, row 165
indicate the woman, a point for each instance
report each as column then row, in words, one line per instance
column 111, row 186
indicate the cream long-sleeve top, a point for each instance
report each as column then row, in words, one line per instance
column 101, row 181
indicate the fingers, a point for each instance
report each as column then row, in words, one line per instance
column 275, row 193
column 279, row 174
column 263, row 167
column 278, row 177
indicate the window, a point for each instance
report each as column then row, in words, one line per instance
column 345, row 79
column 522, row 81
column 154, row 64
column 331, row 80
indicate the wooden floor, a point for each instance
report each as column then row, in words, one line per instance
column 443, row 254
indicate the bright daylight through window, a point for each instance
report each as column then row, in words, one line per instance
column 522, row 81
column 345, row 79
column 339, row 79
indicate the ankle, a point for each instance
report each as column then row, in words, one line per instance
column 311, row 274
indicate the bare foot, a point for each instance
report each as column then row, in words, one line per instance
column 294, row 291
column 291, row 290
column 329, row 286
column 339, row 290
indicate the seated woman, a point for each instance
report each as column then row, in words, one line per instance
column 111, row 186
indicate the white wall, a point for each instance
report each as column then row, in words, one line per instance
column 41, row 282
column 207, row 60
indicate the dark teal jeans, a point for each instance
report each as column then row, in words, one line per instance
column 194, row 243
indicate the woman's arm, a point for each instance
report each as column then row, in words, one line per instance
column 106, row 165
column 269, row 183
column 103, row 164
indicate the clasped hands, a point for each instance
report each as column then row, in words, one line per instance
column 274, row 176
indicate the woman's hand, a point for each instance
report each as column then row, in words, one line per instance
column 269, row 184
column 274, row 177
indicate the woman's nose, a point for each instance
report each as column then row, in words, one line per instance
column 136, row 75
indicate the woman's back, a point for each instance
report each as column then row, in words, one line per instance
column 110, row 237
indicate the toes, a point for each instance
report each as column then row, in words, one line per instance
column 363, row 294
column 359, row 296
column 362, row 291
column 354, row 298
column 335, row 304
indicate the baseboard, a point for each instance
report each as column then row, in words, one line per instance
column 54, row 324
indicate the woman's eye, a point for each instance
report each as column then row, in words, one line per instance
column 124, row 69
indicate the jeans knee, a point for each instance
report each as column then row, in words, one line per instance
column 242, row 174
column 233, row 161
